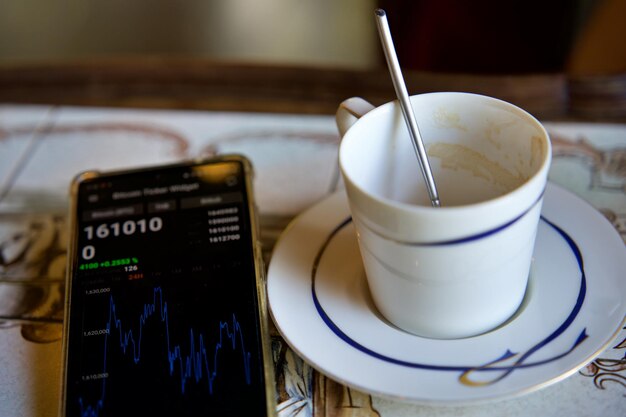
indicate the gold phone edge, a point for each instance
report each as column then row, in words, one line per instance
column 268, row 368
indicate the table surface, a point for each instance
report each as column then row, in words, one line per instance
column 292, row 141
column 43, row 147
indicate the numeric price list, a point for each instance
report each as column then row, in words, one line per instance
column 224, row 224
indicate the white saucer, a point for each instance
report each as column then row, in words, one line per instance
column 574, row 308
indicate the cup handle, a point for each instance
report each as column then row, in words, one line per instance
column 349, row 112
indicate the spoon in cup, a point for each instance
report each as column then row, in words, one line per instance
column 405, row 104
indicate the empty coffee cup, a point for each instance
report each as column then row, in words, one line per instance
column 461, row 269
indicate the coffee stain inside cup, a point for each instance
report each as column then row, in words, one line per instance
column 457, row 157
column 537, row 148
column 447, row 119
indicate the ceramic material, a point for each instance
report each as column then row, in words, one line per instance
column 462, row 269
column 572, row 311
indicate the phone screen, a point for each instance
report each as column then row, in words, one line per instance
column 164, row 309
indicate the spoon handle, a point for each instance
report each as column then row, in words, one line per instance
column 405, row 104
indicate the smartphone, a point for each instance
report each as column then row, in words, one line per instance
column 165, row 299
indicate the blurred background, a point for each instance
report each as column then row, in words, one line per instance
column 480, row 36
column 326, row 32
column 557, row 58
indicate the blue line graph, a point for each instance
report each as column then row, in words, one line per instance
column 197, row 363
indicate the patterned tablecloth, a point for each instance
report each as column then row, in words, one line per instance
column 42, row 148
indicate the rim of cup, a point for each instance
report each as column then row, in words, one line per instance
column 534, row 186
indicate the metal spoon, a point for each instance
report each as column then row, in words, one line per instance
column 405, row 104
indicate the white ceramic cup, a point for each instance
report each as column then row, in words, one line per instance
column 461, row 269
